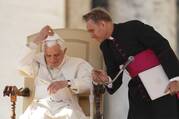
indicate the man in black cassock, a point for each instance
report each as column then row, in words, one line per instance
column 117, row 43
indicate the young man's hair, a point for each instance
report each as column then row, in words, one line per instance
column 97, row 14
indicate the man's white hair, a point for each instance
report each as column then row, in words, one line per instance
column 53, row 40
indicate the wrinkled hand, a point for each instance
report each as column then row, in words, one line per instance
column 100, row 76
column 43, row 34
column 173, row 87
column 57, row 85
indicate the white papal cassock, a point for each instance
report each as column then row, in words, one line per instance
column 64, row 103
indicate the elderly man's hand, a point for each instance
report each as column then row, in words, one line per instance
column 173, row 87
column 57, row 85
column 43, row 34
column 100, row 76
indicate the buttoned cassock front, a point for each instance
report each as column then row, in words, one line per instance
column 64, row 103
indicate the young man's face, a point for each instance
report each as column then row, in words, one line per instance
column 97, row 30
column 54, row 56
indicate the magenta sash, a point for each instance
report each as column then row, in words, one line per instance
column 177, row 95
column 142, row 61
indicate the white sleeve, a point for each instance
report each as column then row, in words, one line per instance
column 83, row 81
column 32, row 45
column 27, row 65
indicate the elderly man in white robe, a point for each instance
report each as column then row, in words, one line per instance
column 58, row 79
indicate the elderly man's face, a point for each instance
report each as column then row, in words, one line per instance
column 54, row 56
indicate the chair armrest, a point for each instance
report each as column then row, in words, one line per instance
column 25, row 92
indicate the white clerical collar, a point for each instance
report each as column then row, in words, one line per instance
column 111, row 38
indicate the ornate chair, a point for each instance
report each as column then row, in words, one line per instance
column 79, row 44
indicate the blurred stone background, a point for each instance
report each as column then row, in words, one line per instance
column 20, row 18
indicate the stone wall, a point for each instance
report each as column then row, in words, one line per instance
column 161, row 14
column 74, row 12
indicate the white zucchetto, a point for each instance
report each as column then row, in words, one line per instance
column 53, row 40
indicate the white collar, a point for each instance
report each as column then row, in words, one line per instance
column 111, row 38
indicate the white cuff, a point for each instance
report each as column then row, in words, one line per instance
column 73, row 87
column 95, row 83
column 109, row 85
column 175, row 79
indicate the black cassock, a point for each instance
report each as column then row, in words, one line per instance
column 130, row 38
